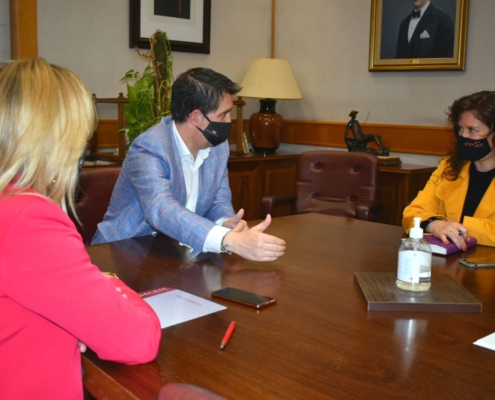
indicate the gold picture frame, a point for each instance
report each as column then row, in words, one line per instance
column 390, row 49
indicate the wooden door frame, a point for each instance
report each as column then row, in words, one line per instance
column 23, row 29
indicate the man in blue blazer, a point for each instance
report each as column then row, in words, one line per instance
column 426, row 33
column 174, row 179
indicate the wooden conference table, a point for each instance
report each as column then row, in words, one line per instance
column 318, row 341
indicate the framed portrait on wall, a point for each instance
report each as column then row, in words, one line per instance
column 409, row 35
column 186, row 22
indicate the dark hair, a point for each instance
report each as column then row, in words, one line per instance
column 199, row 89
column 482, row 105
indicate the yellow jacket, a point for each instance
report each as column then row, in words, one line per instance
column 444, row 199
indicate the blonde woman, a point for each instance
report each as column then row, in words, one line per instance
column 51, row 296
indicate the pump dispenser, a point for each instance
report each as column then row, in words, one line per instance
column 414, row 266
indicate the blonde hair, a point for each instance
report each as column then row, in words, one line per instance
column 46, row 117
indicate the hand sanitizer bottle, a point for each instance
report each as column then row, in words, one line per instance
column 414, row 267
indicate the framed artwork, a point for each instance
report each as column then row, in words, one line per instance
column 409, row 35
column 186, row 22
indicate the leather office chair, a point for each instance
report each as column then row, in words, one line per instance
column 333, row 182
column 93, row 195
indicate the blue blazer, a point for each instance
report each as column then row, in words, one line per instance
column 150, row 193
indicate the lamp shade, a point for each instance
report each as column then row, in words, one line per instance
column 270, row 78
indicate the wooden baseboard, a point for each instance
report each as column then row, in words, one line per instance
column 430, row 140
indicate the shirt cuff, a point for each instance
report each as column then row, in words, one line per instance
column 213, row 241
column 220, row 221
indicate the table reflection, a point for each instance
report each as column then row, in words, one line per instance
column 134, row 262
column 409, row 330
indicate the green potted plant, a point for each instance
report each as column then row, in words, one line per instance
column 149, row 93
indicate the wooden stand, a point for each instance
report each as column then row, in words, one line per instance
column 445, row 294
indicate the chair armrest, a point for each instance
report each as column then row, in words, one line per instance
column 369, row 211
column 268, row 203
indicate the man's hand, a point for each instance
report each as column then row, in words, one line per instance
column 255, row 245
column 236, row 222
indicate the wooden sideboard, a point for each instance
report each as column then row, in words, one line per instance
column 253, row 176
column 398, row 185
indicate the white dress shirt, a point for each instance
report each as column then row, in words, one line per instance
column 415, row 21
column 190, row 169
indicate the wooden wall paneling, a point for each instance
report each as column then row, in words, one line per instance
column 108, row 136
column 429, row 140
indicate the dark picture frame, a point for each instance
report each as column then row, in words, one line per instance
column 390, row 17
column 177, row 42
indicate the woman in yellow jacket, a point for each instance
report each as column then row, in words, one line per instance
column 459, row 199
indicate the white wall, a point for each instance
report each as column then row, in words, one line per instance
column 325, row 41
column 91, row 37
column 4, row 30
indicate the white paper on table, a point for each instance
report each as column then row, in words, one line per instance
column 174, row 306
column 487, row 341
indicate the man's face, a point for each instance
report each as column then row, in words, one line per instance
column 222, row 113
column 419, row 3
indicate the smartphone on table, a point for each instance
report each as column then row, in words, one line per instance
column 478, row 262
column 243, row 297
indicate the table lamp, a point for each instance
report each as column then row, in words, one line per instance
column 268, row 79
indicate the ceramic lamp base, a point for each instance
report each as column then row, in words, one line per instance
column 265, row 128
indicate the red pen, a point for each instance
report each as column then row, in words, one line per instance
column 227, row 335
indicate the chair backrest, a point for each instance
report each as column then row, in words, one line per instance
column 335, row 182
column 95, row 189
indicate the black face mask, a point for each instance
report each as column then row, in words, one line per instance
column 80, row 163
column 216, row 132
column 473, row 150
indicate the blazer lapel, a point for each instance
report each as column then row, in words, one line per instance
column 177, row 165
column 454, row 194
column 485, row 208
column 205, row 183
column 422, row 24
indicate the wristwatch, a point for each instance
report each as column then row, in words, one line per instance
column 223, row 247
column 424, row 224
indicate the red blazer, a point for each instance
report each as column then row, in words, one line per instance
column 51, row 297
